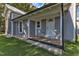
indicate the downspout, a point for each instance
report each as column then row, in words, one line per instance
column 62, row 18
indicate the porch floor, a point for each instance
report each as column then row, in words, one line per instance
column 47, row 40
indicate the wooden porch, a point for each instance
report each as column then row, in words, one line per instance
column 55, row 42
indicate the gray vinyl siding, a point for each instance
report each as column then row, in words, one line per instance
column 43, row 27
column 68, row 26
column 9, row 27
column 16, row 31
column 14, row 28
column 32, row 28
column 18, row 28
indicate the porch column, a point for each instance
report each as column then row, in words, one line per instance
column 6, row 27
column 62, row 25
column 7, row 19
column 28, row 28
column 74, row 17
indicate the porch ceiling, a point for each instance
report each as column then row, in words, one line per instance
column 35, row 11
column 41, row 12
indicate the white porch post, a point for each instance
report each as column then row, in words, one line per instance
column 7, row 22
column 60, row 24
column 28, row 28
column 6, row 27
column 74, row 21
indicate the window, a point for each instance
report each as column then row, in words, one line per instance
column 20, row 26
column 38, row 24
column 50, row 20
column 77, row 11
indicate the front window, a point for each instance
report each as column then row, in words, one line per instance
column 77, row 11
column 20, row 26
column 38, row 24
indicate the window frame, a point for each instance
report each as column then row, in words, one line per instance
column 77, row 11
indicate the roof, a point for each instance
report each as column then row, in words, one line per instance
column 15, row 9
column 50, row 4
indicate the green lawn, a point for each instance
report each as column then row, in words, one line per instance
column 72, row 49
column 15, row 47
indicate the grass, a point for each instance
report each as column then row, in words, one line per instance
column 72, row 49
column 14, row 47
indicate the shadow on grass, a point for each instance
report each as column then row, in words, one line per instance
column 14, row 47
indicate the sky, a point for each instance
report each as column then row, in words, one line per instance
column 38, row 5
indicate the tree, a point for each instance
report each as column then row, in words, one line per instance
column 24, row 6
column 1, row 17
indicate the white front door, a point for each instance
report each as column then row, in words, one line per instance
column 50, row 28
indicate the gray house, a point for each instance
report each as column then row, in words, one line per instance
column 44, row 22
column 10, row 12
